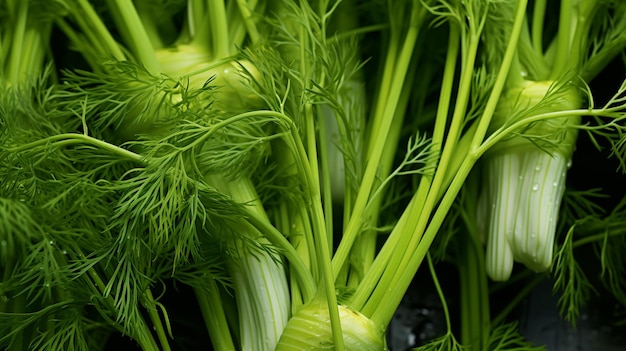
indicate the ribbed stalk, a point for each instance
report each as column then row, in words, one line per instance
column 525, row 182
column 259, row 278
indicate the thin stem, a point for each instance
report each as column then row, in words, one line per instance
column 563, row 53
column 153, row 313
column 440, row 294
column 219, row 28
column 286, row 249
column 371, row 171
column 61, row 140
column 539, row 13
column 137, row 36
column 408, row 219
column 245, row 8
column 325, row 173
column 503, row 73
column 211, row 306
column 382, row 299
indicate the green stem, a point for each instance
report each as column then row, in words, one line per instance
column 137, row 37
column 219, row 28
column 442, row 297
column 94, row 31
column 605, row 231
column 563, row 54
column 408, row 219
column 14, row 69
column 151, row 27
column 296, row 263
column 371, row 171
column 61, row 140
column 384, row 302
column 539, row 14
column 474, row 285
column 364, row 249
column 324, row 171
column 211, row 306
column 407, row 243
column 385, row 85
column 157, row 323
column 503, row 74
column 246, row 8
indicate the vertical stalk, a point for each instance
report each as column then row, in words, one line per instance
column 211, row 306
column 219, row 28
column 371, row 171
column 136, row 35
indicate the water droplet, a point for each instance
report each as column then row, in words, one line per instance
column 533, row 235
column 555, row 184
column 51, row 242
column 47, row 285
column 535, row 187
column 569, row 163
column 64, row 252
column 537, row 168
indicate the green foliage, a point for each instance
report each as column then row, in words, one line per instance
column 507, row 337
column 570, row 280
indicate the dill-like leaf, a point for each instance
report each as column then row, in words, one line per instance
column 66, row 330
column 506, row 337
column 12, row 325
column 446, row 342
column 570, row 280
column 418, row 160
column 127, row 97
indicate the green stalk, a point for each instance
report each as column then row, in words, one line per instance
column 310, row 173
column 408, row 242
column 151, row 27
column 560, row 64
column 539, row 14
column 260, row 281
column 383, row 303
column 137, row 38
column 442, row 298
column 371, row 171
column 408, row 219
column 245, row 9
column 17, row 43
column 325, row 172
column 211, row 306
column 94, row 29
column 219, row 28
column 157, row 323
column 475, row 329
